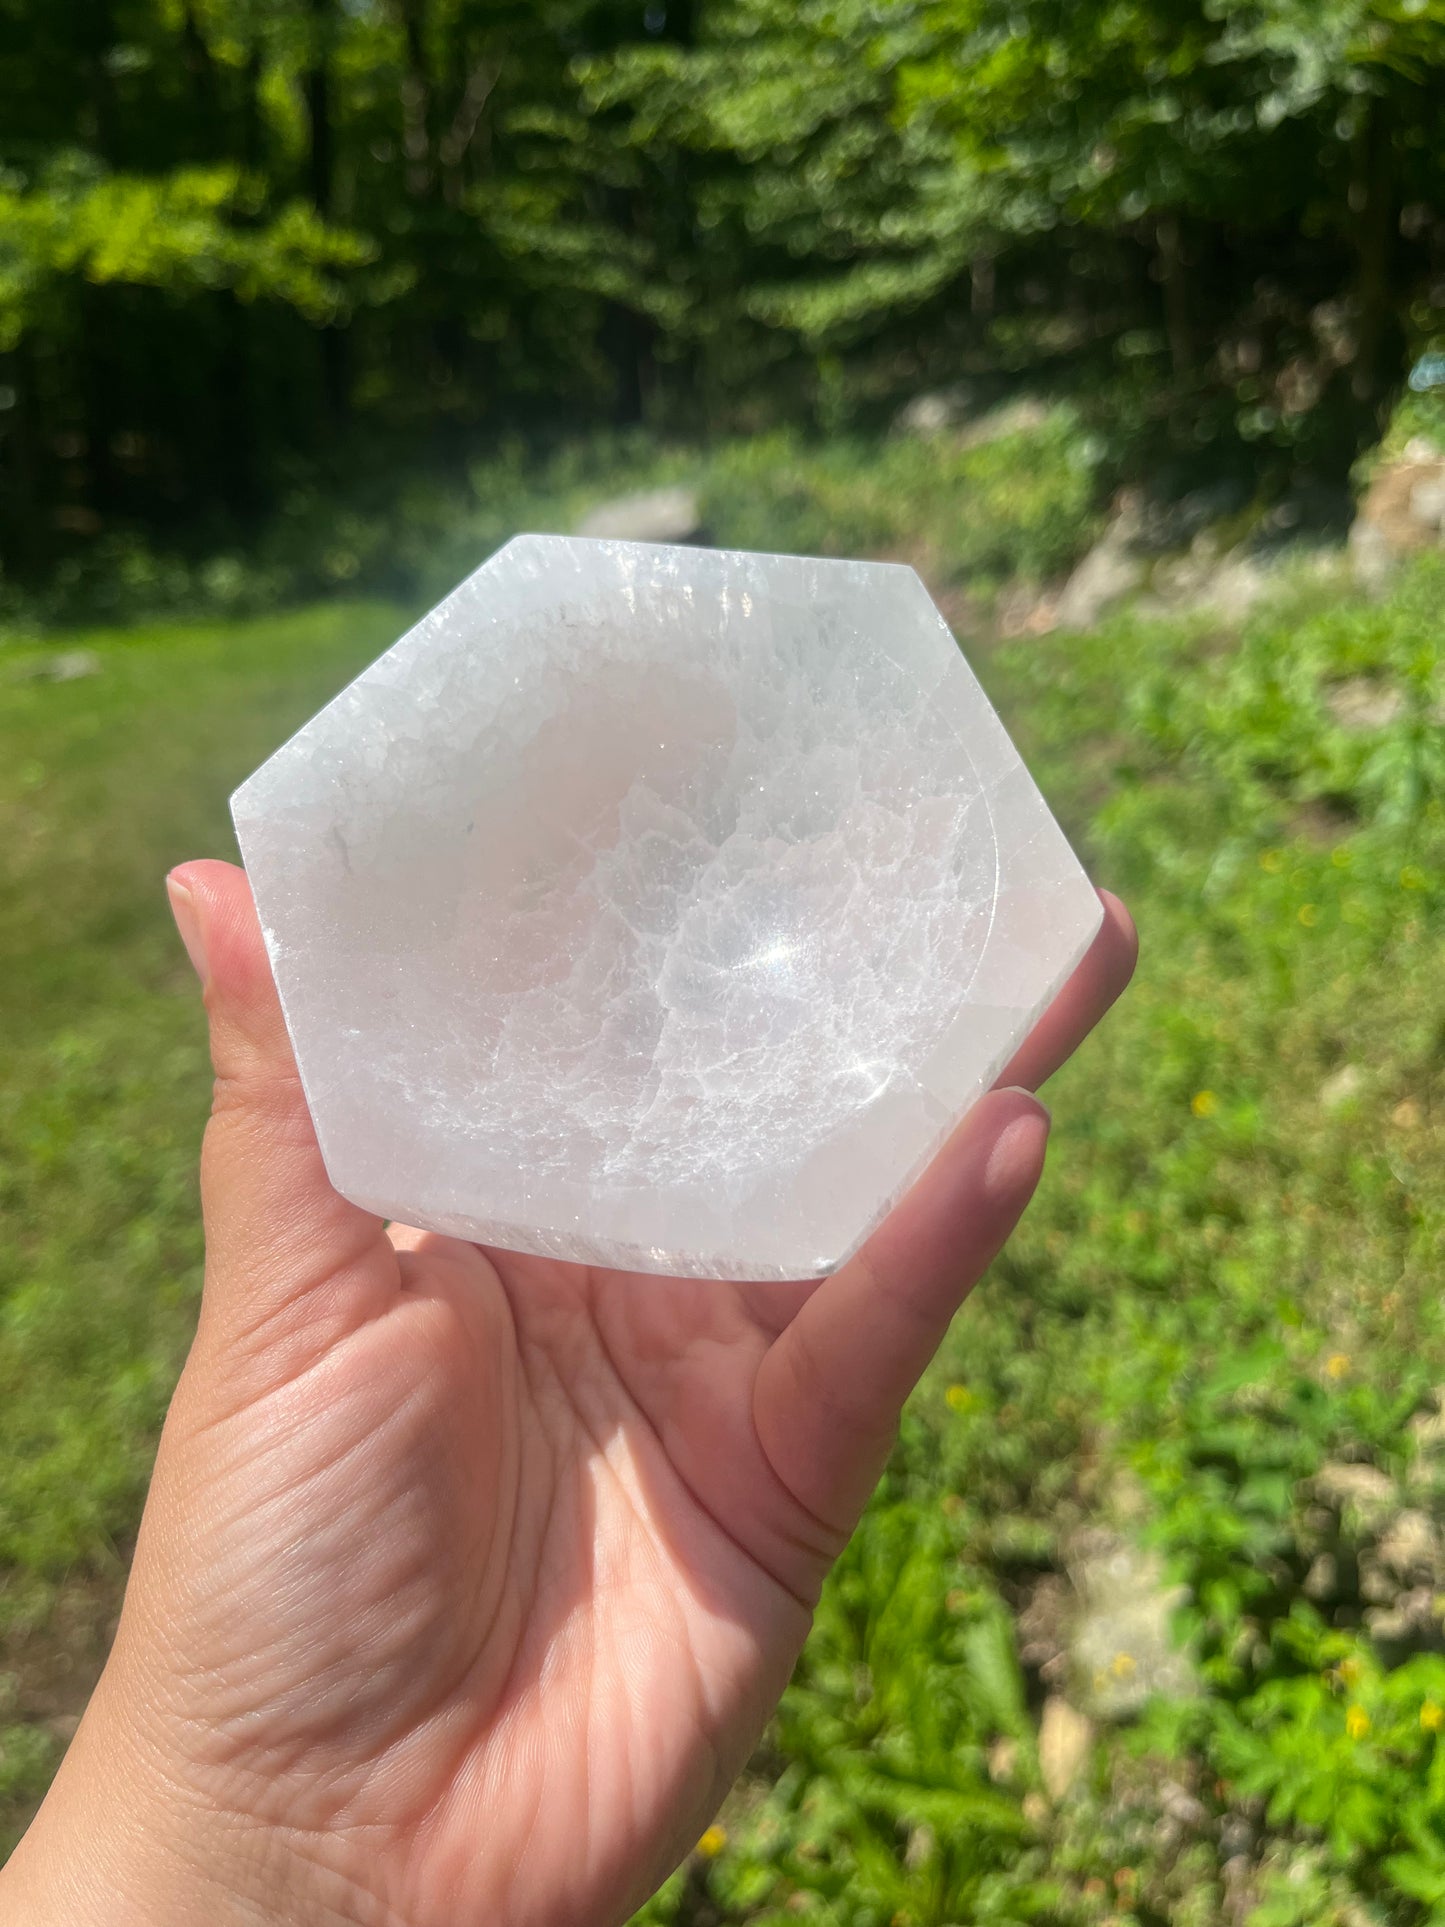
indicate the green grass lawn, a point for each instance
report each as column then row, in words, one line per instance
column 1230, row 1281
column 105, row 782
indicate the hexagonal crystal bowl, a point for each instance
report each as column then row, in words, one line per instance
column 658, row 908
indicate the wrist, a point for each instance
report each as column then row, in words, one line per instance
column 115, row 1846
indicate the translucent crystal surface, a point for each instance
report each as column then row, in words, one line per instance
column 657, row 907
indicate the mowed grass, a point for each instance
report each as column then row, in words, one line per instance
column 1230, row 1279
column 105, row 782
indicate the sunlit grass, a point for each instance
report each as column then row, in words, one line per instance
column 1231, row 1276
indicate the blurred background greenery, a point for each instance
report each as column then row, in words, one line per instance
column 263, row 261
column 1125, row 323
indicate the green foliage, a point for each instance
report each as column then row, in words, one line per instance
column 193, row 229
column 885, row 1733
column 975, row 514
column 248, row 252
column 1228, row 1285
column 1023, row 503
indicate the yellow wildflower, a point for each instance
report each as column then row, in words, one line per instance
column 958, row 1398
column 1309, row 915
column 713, row 1842
column 1337, row 1364
column 1271, row 860
column 1357, row 1722
column 1432, row 1716
column 1204, row 1103
column 1348, row 1670
column 1122, row 1665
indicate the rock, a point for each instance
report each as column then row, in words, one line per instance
column 1427, row 503
column 1122, row 1650
column 1322, row 1581
column 1236, row 1836
column 1241, row 1894
column 1402, row 513
column 1178, row 579
column 934, row 411
column 1023, row 416
column 1232, row 585
column 1410, row 1619
column 1065, row 1737
column 1109, row 572
column 1341, row 1087
column 1182, row 1807
column 62, row 665
column 1021, row 611
column 1003, row 1758
column 1362, row 705
column 1428, row 1428
column 1376, row 1585
column 1041, row 1626
column 1235, row 587
column 1362, row 1490
column 922, row 1846
column 1180, row 521
column 655, row 515
column 1410, row 1547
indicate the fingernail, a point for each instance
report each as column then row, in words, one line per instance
column 188, row 922
column 1019, row 1090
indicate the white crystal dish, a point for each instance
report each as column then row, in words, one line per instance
column 657, row 908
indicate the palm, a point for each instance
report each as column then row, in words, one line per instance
column 524, row 1516
column 472, row 1577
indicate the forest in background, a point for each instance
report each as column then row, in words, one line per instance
column 259, row 256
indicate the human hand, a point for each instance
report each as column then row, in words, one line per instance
column 468, row 1580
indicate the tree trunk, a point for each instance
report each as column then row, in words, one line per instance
column 25, row 543
column 457, row 143
column 205, row 91
column 316, row 86
column 95, row 307
column 1171, row 266
column 1376, row 222
column 251, row 110
column 321, row 171
column 416, row 100
column 101, row 385
column 235, row 411
column 94, row 38
column 626, row 341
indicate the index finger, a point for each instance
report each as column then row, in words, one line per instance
column 1097, row 982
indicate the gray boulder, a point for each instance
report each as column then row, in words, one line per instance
column 1402, row 514
column 1110, row 571
column 934, row 411
column 1122, row 1649
column 653, row 515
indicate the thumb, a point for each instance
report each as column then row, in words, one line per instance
column 289, row 1263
